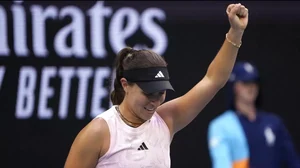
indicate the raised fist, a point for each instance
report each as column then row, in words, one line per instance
column 238, row 16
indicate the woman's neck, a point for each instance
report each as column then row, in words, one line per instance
column 129, row 117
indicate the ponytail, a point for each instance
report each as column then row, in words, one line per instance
column 118, row 93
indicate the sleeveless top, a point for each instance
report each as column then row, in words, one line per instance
column 143, row 147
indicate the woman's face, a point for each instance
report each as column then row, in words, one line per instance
column 142, row 104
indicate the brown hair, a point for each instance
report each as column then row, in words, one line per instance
column 127, row 59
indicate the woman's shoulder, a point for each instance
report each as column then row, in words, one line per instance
column 95, row 129
column 109, row 113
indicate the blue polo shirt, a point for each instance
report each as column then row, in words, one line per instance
column 236, row 142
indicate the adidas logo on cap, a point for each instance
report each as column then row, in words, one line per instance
column 159, row 75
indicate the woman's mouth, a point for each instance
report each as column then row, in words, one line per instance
column 150, row 109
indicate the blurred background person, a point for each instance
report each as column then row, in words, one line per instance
column 245, row 135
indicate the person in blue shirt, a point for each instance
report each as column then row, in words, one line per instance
column 245, row 136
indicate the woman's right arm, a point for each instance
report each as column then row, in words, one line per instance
column 87, row 147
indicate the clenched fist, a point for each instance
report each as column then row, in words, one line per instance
column 238, row 16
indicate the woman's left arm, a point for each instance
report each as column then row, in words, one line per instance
column 181, row 111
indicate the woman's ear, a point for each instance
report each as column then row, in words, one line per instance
column 124, row 84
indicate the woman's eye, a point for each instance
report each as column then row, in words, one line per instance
column 148, row 95
column 154, row 95
column 162, row 92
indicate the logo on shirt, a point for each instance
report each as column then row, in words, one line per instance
column 214, row 142
column 270, row 136
column 143, row 147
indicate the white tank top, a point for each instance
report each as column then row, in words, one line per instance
column 143, row 147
